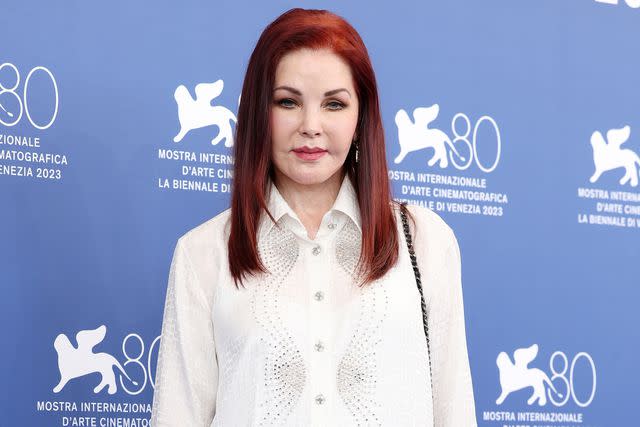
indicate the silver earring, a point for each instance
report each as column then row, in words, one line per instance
column 356, row 151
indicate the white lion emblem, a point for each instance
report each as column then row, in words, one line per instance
column 77, row 362
column 417, row 135
column 516, row 376
column 198, row 113
column 608, row 155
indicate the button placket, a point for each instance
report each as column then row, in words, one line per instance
column 319, row 330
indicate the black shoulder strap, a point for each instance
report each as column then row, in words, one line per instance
column 416, row 271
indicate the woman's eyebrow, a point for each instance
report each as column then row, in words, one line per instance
column 297, row 92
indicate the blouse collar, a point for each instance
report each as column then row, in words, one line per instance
column 346, row 202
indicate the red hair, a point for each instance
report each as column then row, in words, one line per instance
column 313, row 29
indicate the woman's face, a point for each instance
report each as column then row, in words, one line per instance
column 314, row 108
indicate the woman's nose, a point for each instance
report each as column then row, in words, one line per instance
column 310, row 122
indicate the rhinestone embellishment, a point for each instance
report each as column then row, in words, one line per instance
column 357, row 375
column 284, row 367
column 348, row 244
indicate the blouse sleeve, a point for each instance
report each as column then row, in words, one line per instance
column 186, row 379
column 454, row 404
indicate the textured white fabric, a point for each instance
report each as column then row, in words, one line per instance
column 303, row 345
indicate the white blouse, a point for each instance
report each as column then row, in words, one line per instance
column 304, row 346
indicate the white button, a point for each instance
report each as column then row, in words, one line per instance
column 319, row 296
column 319, row 346
column 315, row 250
column 331, row 226
column 320, row 399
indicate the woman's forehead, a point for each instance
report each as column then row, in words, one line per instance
column 318, row 71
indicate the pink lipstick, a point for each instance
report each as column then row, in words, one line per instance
column 309, row 153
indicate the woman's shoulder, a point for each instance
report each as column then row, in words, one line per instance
column 435, row 243
column 198, row 257
column 208, row 234
column 430, row 225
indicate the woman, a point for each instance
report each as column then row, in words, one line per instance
column 298, row 305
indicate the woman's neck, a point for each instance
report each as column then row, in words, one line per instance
column 310, row 202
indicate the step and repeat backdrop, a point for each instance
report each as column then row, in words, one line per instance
column 517, row 122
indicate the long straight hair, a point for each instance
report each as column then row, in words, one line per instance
column 313, row 29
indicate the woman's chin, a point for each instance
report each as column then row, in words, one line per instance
column 311, row 178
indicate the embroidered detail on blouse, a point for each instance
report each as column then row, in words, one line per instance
column 357, row 374
column 348, row 244
column 284, row 367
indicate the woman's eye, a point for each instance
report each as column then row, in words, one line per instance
column 283, row 101
column 289, row 103
column 339, row 105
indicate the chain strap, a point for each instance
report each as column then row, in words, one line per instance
column 414, row 263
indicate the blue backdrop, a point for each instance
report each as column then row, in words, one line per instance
column 530, row 113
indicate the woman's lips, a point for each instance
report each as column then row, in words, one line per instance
column 309, row 154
